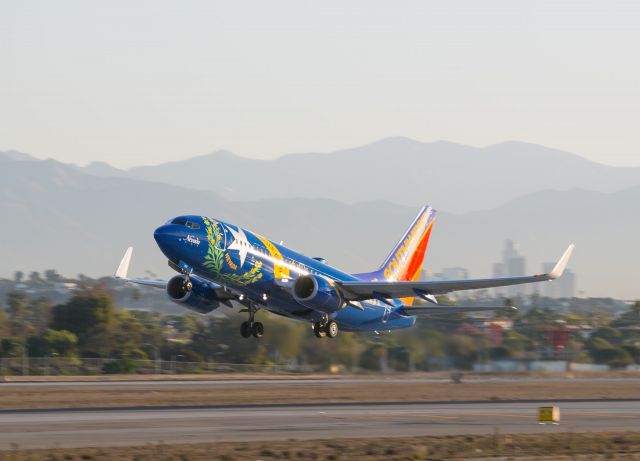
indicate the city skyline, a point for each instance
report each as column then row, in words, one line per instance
column 513, row 264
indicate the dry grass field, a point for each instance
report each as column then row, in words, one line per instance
column 44, row 395
column 561, row 446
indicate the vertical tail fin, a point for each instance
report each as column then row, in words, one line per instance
column 407, row 257
column 405, row 261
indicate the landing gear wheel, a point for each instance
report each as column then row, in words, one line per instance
column 245, row 329
column 257, row 330
column 318, row 330
column 332, row 329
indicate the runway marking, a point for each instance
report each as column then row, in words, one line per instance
column 502, row 415
column 379, row 417
column 603, row 415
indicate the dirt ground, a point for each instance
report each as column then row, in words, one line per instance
column 46, row 395
column 560, row 446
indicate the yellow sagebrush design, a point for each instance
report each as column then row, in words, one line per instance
column 214, row 259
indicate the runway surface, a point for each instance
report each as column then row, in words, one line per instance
column 324, row 381
column 81, row 428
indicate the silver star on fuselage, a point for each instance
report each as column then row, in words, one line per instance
column 239, row 243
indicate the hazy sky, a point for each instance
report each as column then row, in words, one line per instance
column 141, row 82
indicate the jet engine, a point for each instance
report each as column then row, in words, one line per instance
column 316, row 293
column 192, row 293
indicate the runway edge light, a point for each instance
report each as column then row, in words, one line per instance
column 548, row 415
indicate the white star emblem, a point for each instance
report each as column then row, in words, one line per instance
column 239, row 243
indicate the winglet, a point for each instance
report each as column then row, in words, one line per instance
column 123, row 268
column 562, row 263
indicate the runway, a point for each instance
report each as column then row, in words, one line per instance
column 321, row 380
column 124, row 427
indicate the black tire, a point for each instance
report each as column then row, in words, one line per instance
column 318, row 330
column 332, row 329
column 245, row 329
column 257, row 330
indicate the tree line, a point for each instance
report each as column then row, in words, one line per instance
column 90, row 326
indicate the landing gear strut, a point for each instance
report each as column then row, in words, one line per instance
column 325, row 327
column 318, row 330
column 250, row 327
column 187, row 286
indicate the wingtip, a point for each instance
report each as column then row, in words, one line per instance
column 562, row 263
column 123, row 267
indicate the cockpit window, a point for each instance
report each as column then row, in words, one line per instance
column 184, row 222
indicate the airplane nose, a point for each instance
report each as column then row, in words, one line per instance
column 162, row 235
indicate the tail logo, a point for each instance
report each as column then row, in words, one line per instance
column 405, row 262
column 406, row 248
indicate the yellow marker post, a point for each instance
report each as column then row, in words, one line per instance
column 549, row 415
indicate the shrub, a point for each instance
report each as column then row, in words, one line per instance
column 124, row 365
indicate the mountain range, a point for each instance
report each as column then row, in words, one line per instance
column 453, row 177
column 80, row 220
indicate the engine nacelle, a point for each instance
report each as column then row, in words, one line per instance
column 201, row 297
column 316, row 293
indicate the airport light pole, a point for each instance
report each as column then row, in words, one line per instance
column 48, row 358
column 174, row 362
column 25, row 361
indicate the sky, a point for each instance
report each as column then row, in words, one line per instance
column 146, row 82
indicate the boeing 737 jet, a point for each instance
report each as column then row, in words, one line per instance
column 221, row 264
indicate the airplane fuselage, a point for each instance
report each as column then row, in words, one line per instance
column 258, row 269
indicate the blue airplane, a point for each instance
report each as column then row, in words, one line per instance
column 221, row 264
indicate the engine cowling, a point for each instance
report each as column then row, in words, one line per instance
column 199, row 297
column 316, row 293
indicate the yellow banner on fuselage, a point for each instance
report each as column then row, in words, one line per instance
column 279, row 271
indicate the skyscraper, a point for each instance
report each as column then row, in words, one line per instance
column 513, row 264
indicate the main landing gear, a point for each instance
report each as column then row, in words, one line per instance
column 251, row 328
column 325, row 328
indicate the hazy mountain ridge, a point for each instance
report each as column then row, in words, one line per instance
column 16, row 155
column 459, row 178
column 56, row 216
